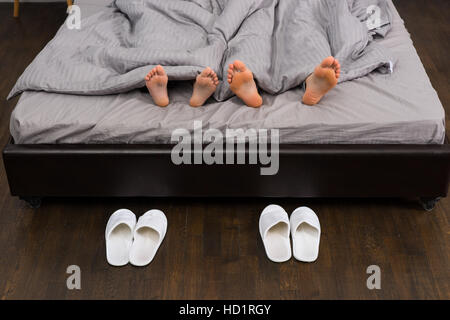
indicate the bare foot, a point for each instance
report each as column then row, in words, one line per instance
column 156, row 82
column 243, row 85
column 324, row 78
column 204, row 87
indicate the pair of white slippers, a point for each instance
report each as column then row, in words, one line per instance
column 304, row 227
column 131, row 242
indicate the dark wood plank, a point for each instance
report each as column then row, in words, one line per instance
column 212, row 249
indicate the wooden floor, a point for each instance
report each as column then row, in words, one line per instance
column 212, row 249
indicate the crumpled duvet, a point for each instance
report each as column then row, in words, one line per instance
column 281, row 41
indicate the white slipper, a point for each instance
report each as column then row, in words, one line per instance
column 274, row 230
column 119, row 237
column 305, row 231
column 148, row 235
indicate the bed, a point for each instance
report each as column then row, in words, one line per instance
column 382, row 135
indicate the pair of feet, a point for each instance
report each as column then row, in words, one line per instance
column 205, row 85
column 323, row 79
column 242, row 83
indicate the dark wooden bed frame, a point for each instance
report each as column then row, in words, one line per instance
column 306, row 171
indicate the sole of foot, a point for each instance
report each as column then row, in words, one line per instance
column 156, row 82
column 204, row 86
column 323, row 79
column 243, row 84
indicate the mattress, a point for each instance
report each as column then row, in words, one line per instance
column 397, row 108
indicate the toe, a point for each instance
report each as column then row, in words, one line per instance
column 160, row 70
column 327, row 62
column 206, row 72
column 336, row 61
column 336, row 65
column 240, row 66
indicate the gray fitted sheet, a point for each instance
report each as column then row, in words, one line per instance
column 397, row 108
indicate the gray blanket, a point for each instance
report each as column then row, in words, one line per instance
column 280, row 40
